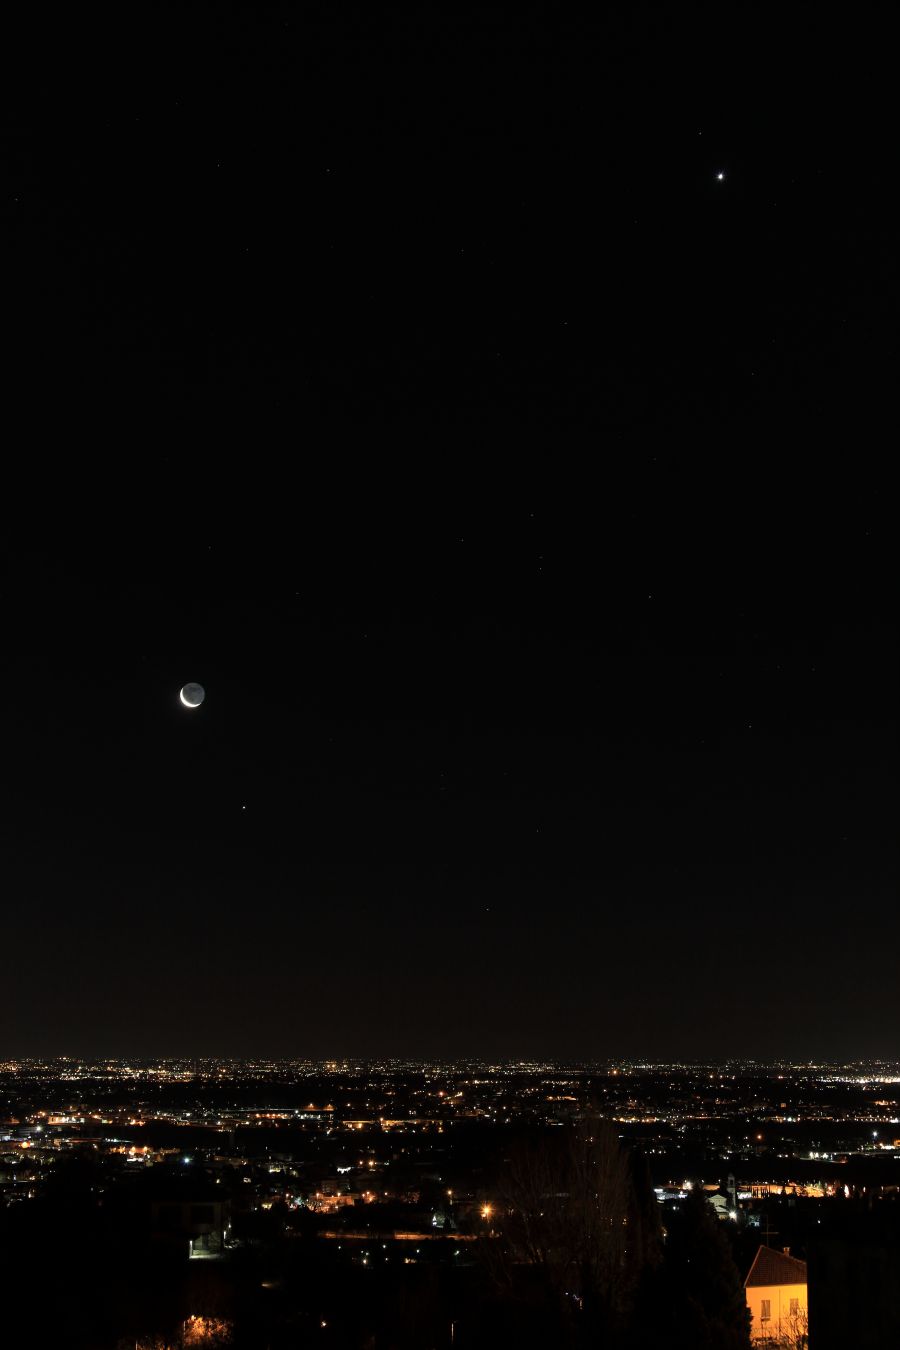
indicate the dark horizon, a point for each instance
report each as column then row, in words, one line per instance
column 338, row 1063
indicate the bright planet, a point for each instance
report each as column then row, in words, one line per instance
column 192, row 695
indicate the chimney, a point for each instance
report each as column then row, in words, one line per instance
column 786, row 1250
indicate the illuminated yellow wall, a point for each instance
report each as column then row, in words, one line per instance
column 780, row 1323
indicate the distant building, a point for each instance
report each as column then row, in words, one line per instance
column 719, row 1205
column 775, row 1290
column 187, row 1214
column 200, row 1224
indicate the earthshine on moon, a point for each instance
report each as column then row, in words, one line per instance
column 192, row 695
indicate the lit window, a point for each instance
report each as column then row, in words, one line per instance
column 766, row 1310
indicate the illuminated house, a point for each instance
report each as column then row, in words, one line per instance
column 775, row 1289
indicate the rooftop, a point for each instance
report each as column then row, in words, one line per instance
column 771, row 1267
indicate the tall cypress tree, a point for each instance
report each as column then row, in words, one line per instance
column 704, row 1305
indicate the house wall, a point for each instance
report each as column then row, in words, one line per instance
column 779, row 1296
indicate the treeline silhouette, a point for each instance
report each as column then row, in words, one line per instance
column 574, row 1255
column 579, row 1256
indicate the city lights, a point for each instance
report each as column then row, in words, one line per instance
column 370, row 1173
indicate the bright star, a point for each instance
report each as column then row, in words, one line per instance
column 720, row 177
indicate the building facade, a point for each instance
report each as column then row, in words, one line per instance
column 776, row 1293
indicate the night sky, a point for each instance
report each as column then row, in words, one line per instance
column 495, row 416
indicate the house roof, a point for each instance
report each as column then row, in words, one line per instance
column 771, row 1267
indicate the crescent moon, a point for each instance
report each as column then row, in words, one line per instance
column 192, row 695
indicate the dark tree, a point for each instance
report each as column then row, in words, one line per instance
column 576, row 1233
column 645, row 1229
column 699, row 1301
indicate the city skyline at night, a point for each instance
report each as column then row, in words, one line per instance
column 448, row 772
